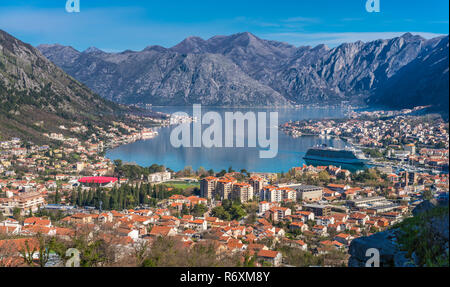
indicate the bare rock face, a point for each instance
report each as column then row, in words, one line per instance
column 424, row 206
column 33, row 89
column 385, row 242
column 242, row 69
column 434, row 229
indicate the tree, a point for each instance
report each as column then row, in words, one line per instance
column 79, row 198
column 6, row 254
column 244, row 171
column 237, row 212
column 427, row 194
column 251, row 219
column 199, row 210
column 249, row 261
column 221, row 173
column 118, row 163
column 187, row 171
column 57, row 197
column 341, row 176
column 324, row 177
column 17, row 213
column 28, row 253
column 185, row 210
column 94, row 250
column 201, row 171
column 44, row 250
column 141, row 250
column 221, row 213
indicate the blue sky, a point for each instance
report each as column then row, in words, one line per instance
column 116, row 25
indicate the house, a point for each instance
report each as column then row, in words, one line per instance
column 298, row 226
column 278, row 213
column 343, row 238
column 383, row 222
column 341, row 188
column 334, row 227
column 327, row 244
column 81, row 218
column 162, row 231
column 38, row 229
column 256, row 247
column 361, row 218
column 300, row 244
column 10, row 230
column 37, row 221
column 264, row 206
column 105, row 217
column 234, row 246
column 307, row 215
column 273, row 257
column 320, row 229
column 10, row 222
column 132, row 233
column 324, row 220
column 198, row 225
column 340, row 217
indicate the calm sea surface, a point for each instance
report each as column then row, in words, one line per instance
column 290, row 150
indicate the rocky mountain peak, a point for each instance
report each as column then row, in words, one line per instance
column 93, row 50
column 191, row 45
column 351, row 72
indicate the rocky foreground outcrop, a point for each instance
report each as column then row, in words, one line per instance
column 419, row 241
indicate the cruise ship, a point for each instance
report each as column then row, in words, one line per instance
column 333, row 155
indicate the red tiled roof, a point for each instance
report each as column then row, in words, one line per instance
column 98, row 179
column 267, row 253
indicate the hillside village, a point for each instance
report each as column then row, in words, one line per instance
column 306, row 217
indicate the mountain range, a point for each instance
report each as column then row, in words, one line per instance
column 243, row 69
column 37, row 97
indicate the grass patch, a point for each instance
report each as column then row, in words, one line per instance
column 416, row 236
column 182, row 185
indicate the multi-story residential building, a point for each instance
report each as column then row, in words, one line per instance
column 288, row 194
column 277, row 194
column 24, row 202
column 264, row 206
column 318, row 210
column 324, row 220
column 242, row 192
column 224, row 187
column 270, row 193
column 410, row 178
column 208, row 187
column 257, row 183
column 278, row 213
column 411, row 148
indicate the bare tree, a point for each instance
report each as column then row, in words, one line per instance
column 7, row 253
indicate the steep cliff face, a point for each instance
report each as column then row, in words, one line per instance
column 36, row 96
column 243, row 69
column 418, row 241
column 423, row 81
column 195, row 71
